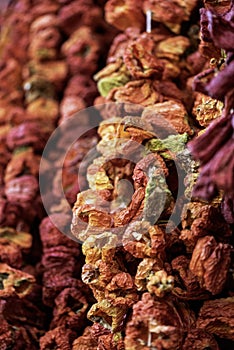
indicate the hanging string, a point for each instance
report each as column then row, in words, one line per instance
column 148, row 21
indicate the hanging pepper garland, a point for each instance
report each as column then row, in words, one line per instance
column 152, row 284
column 144, row 68
column 215, row 148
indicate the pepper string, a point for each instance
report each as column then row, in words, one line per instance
column 134, row 262
column 154, row 270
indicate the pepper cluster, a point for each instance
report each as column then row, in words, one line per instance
column 155, row 268
column 48, row 54
column 157, row 285
column 217, row 159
